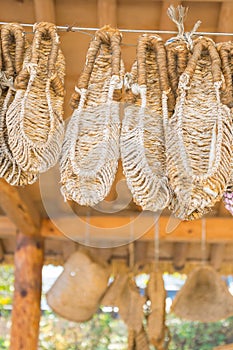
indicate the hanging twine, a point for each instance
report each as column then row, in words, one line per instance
column 91, row 148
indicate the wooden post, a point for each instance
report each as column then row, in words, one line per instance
column 28, row 266
column 107, row 12
column 27, row 294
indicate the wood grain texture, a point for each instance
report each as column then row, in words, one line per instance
column 28, row 281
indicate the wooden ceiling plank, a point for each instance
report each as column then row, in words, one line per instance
column 20, row 209
column 107, row 12
column 225, row 23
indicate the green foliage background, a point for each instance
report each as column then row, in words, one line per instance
column 105, row 331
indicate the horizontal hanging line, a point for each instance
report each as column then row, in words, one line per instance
column 123, row 30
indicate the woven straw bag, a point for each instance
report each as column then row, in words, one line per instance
column 34, row 119
column 199, row 136
column 77, row 292
column 156, row 319
column 13, row 50
column 90, row 151
column 142, row 135
column 204, row 297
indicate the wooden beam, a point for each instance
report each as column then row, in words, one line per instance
column 28, row 281
column 225, row 23
column 217, row 255
column 45, row 10
column 20, row 209
column 107, row 12
column 218, row 230
column 180, row 253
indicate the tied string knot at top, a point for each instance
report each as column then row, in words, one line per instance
column 178, row 15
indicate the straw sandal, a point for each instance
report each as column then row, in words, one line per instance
column 199, row 136
column 34, row 119
column 142, row 135
column 90, row 151
column 13, row 50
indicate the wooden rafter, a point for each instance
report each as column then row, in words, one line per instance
column 179, row 255
column 219, row 230
column 20, row 209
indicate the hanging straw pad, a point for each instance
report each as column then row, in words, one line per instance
column 13, row 50
column 77, row 292
column 90, row 151
column 204, row 297
column 156, row 319
column 130, row 306
column 199, row 136
column 142, row 136
column 34, row 119
column 114, row 291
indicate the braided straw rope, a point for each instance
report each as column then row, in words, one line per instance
column 13, row 50
column 90, row 151
column 156, row 319
column 198, row 135
column 34, row 119
column 142, row 135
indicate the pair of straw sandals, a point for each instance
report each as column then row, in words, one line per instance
column 31, row 102
column 175, row 140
